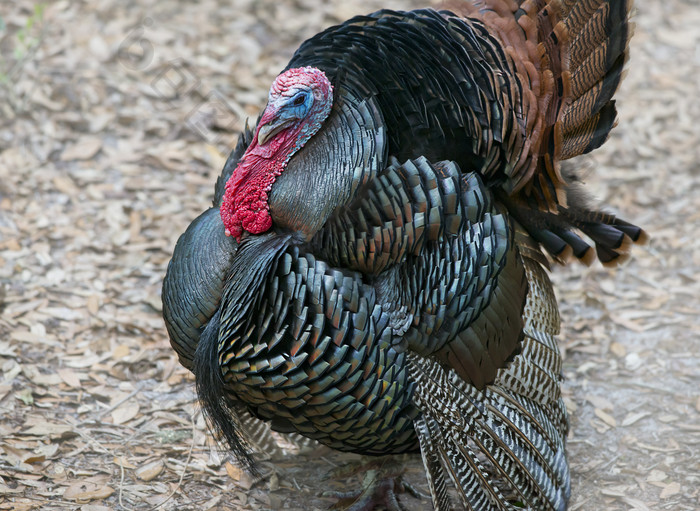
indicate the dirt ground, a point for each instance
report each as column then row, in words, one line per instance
column 115, row 119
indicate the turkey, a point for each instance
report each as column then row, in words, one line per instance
column 373, row 272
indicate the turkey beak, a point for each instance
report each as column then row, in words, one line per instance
column 272, row 128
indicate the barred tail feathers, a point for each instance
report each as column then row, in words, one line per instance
column 499, row 451
column 503, row 446
column 581, row 50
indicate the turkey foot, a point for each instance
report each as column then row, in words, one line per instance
column 378, row 491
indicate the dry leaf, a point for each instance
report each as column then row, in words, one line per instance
column 150, row 471
column 125, row 413
column 631, row 418
column 12, row 244
column 35, row 458
column 24, row 336
column 84, row 149
column 120, row 351
column 123, row 462
column 670, row 490
column 656, row 476
column 93, row 304
column 48, row 429
column 233, row 471
column 605, row 417
column 65, row 184
column 69, row 376
column 6, row 490
column 240, row 476
column 599, row 402
column 4, row 390
column 82, row 491
column 47, row 450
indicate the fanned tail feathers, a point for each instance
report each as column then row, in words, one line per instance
column 582, row 47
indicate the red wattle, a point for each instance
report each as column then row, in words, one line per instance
column 244, row 206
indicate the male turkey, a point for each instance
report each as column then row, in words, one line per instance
column 371, row 275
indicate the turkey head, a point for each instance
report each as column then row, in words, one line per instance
column 299, row 101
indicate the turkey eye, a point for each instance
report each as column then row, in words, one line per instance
column 299, row 100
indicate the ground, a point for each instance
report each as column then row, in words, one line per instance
column 115, row 119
